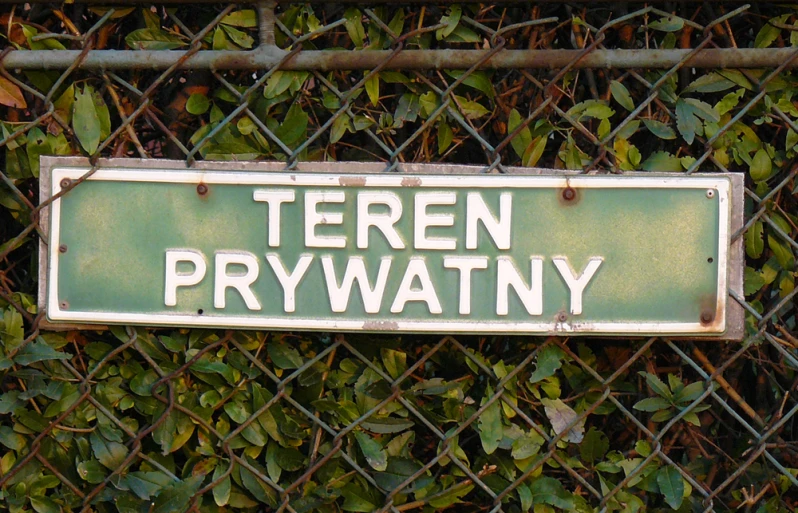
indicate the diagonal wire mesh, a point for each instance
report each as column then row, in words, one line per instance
column 195, row 420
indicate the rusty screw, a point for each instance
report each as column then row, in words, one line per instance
column 64, row 305
column 202, row 189
column 62, row 248
column 562, row 317
column 568, row 194
column 706, row 317
column 66, row 182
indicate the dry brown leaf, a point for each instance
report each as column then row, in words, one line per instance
column 11, row 95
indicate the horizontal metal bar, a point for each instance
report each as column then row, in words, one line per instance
column 269, row 56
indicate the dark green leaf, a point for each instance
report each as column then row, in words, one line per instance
column 662, row 161
column 754, row 240
column 153, row 39
column 621, row 95
column 689, row 393
column 594, row 446
column 289, row 459
column 397, row 471
column 549, row 359
column 450, row 496
column 9, row 402
column 657, row 385
column 527, row 445
column 373, row 451
column 479, row 80
column 141, row 383
column 44, row 505
column 445, row 137
column 239, row 37
column 659, row 129
column 284, row 356
column 38, row 145
column 782, row 252
column 652, row 404
column 761, row 166
column 221, row 492
column 358, row 500
column 709, row 83
column 385, row 425
column 12, row 440
column 258, row 488
column 147, row 484
column 110, row 454
column 85, row 120
column 278, row 83
column 671, row 485
column 490, row 423
column 354, row 26
column 176, row 496
column 451, row 20
column 292, row 129
column 547, row 490
column 38, row 351
column 689, row 113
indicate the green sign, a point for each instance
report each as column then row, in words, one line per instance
column 425, row 252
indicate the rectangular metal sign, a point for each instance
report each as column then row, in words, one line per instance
column 240, row 246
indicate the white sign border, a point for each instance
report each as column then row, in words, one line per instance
column 721, row 184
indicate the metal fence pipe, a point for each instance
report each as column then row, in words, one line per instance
column 269, row 56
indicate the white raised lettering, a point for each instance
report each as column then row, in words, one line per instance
column 508, row 276
column 289, row 281
column 240, row 282
column 423, row 220
column 174, row 279
column 465, row 265
column 417, row 267
column 274, row 199
column 383, row 222
column 314, row 218
column 499, row 229
column 355, row 270
column 577, row 284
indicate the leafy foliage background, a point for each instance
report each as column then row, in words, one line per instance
column 168, row 420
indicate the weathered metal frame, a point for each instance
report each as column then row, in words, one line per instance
column 733, row 317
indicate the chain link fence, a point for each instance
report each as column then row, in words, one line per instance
column 137, row 420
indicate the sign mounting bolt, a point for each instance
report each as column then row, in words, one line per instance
column 568, row 194
column 66, row 182
column 202, row 189
column 62, row 248
column 710, row 193
column 707, row 317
